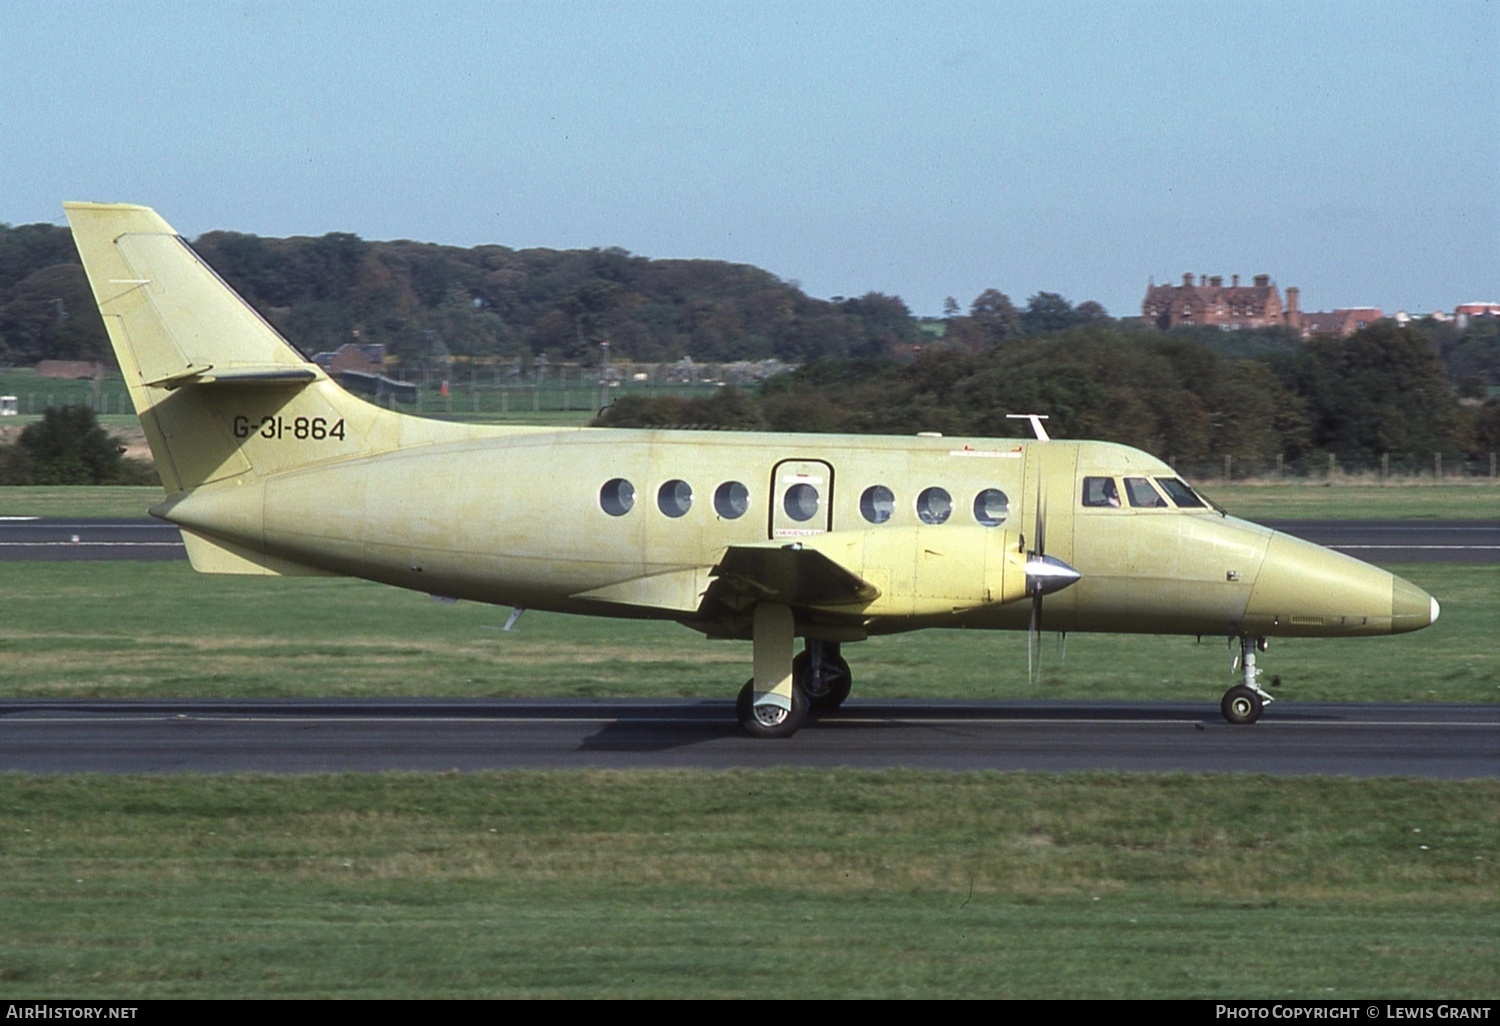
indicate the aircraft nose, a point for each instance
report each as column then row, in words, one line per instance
column 1411, row 607
column 1304, row 590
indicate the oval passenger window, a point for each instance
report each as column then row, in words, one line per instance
column 731, row 500
column 934, row 506
column 877, row 504
column 617, row 497
column 674, row 498
column 991, row 507
column 801, row 502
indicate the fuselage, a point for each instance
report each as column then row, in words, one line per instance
column 633, row 523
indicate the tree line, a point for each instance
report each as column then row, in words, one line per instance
column 868, row 364
column 1379, row 391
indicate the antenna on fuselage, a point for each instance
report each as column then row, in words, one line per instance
column 1036, row 424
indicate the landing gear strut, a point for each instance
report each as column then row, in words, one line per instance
column 771, row 704
column 823, row 675
column 1244, row 702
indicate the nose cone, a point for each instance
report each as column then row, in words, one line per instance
column 1411, row 607
column 1304, row 590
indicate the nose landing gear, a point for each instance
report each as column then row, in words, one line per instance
column 1244, row 702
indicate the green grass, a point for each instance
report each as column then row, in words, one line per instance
column 785, row 883
column 158, row 629
column 78, row 500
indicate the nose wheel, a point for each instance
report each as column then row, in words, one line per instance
column 1244, row 702
column 1241, row 705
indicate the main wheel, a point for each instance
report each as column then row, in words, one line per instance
column 1241, row 705
column 829, row 693
column 769, row 721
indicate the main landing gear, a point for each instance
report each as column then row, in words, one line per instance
column 1244, row 702
column 776, row 702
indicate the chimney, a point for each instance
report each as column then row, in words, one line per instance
column 1187, row 281
column 1235, row 280
column 1202, row 279
column 1217, row 281
column 1262, row 281
column 1292, row 292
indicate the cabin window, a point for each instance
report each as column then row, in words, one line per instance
column 877, row 504
column 1101, row 492
column 1181, row 494
column 731, row 500
column 934, row 506
column 617, row 497
column 1142, row 495
column 991, row 507
column 674, row 498
column 801, row 502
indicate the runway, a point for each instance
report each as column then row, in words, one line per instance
column 1447, row 742
column 1375, row 541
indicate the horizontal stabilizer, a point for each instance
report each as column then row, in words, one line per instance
column 212, row 556
column 273, row 376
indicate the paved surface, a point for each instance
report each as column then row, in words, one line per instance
column 80, row 539
column 1375, row 541
column 1402, row 541
column 315, row 735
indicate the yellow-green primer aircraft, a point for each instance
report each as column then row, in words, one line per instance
column 271, row 468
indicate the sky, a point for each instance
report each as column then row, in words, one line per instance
column 924, row 150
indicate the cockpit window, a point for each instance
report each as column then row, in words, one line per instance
column 1181, row 494
column 1100, row 491
column 1142, row 495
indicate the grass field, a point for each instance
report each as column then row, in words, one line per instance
column 773, row 883
column 158, row 629
column 826, row 883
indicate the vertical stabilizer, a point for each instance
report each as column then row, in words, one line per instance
column 219, row 393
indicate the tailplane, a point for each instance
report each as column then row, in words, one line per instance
column 219, row 392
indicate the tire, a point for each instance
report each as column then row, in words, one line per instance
column 837, row 681
column 759, row 724
column 1240, row 705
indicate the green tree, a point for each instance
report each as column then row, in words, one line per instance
column 68, row 447
column 995, row 316
column 1047, row 312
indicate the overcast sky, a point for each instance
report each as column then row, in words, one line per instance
column 921, row 149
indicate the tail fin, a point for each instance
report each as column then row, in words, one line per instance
column 219, row 393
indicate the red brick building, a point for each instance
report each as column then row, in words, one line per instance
column 1212, row 302
column 1340, row 322
column 1233, row 306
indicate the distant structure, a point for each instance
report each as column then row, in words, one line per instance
column 75, row 369
column 1466, row 312
column 363, row 358
column 1339, row 322
column 1213, row 303
column 1234, row 306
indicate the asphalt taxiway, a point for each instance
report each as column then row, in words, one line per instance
column 330, row 735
